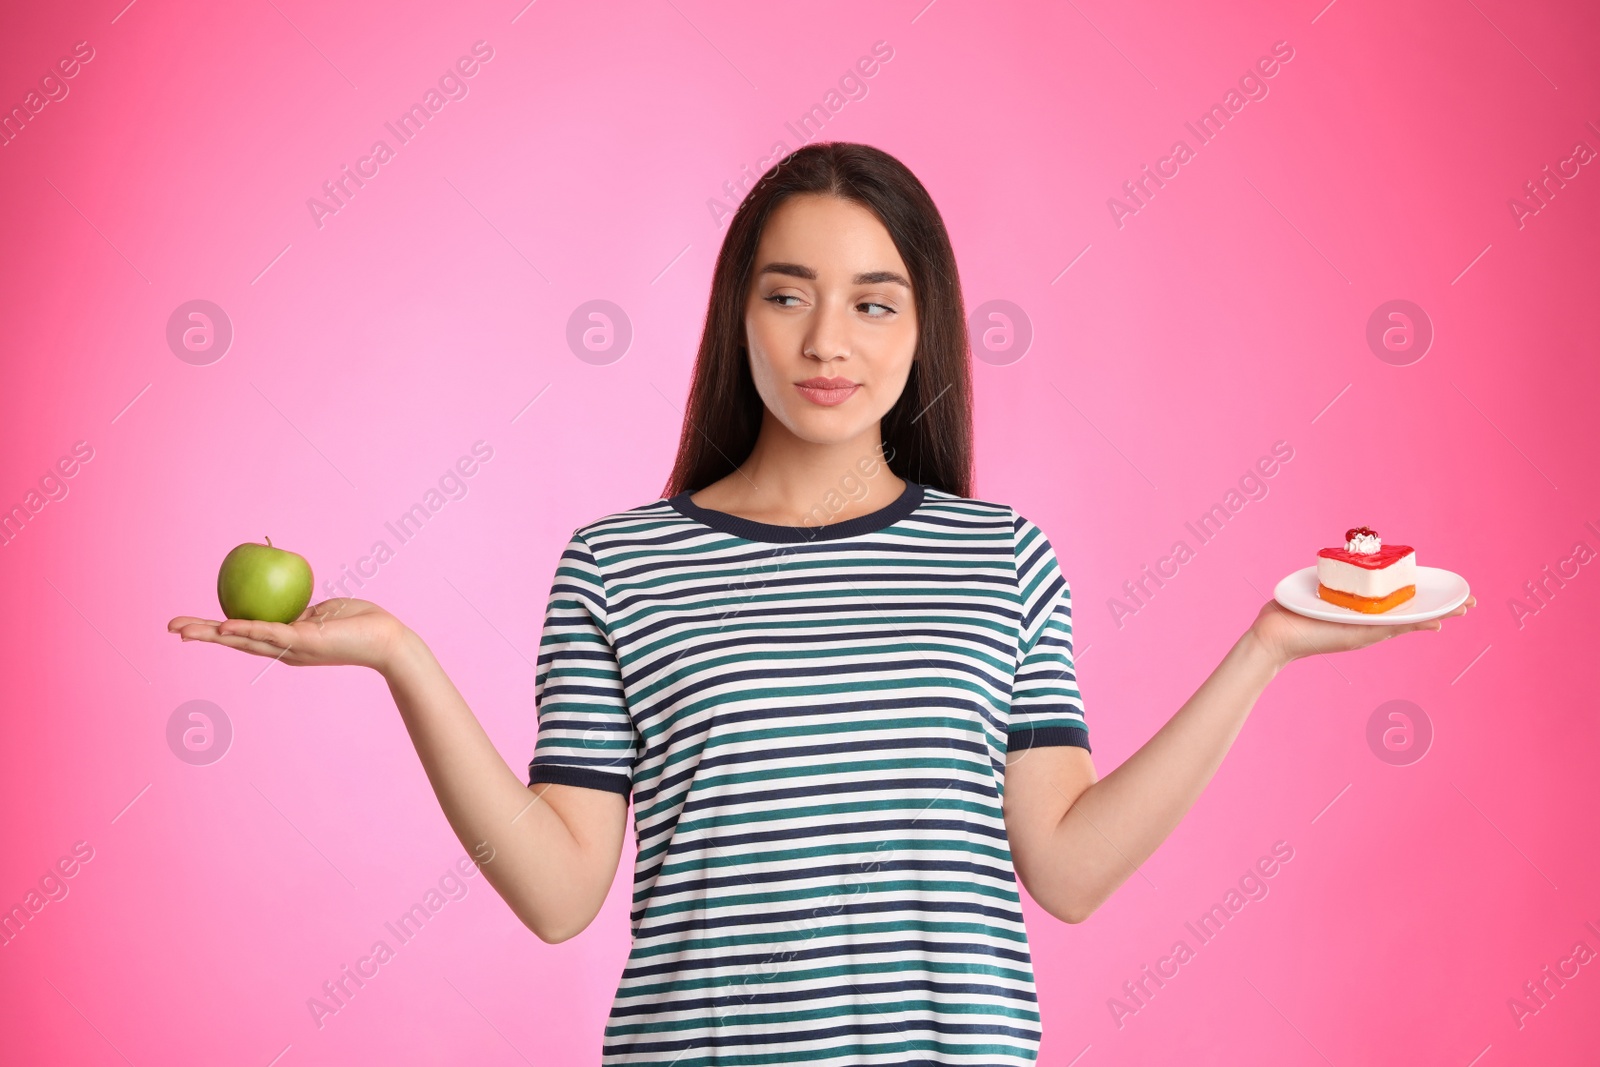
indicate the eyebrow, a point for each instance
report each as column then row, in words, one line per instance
column 871, row 277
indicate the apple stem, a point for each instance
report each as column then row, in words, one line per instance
column 269, row 542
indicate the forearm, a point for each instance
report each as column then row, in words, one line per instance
column 1116, row 823
column 521, row 844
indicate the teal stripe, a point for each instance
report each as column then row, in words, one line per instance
column 957, row 930
column 977, row 968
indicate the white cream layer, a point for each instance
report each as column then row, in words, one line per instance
column 1348, row 578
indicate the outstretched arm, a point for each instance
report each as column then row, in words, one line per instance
column 549, row 850
column 1074, row 839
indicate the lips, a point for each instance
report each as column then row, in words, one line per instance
column 827, row 391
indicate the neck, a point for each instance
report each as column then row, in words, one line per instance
column 787, row 476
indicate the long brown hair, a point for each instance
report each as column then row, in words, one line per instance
column 927, row 434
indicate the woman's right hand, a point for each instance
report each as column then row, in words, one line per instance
column 338, row 631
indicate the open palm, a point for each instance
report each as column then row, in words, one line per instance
column 1293, row 636
column 338, row 631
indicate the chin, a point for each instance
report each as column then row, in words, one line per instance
column 822, row 427
column 818, row 435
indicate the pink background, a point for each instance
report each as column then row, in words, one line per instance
column 370, row 353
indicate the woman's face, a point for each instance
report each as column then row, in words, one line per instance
column 829, row 298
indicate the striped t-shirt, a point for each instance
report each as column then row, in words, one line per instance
column 813, row 724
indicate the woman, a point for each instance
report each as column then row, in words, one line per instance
column 839, row 689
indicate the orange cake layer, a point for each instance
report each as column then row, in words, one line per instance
column 1370, row 605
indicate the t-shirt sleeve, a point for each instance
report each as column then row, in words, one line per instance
column 586, row 735
column 1046, row 707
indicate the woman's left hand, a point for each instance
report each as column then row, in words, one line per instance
column 1289, row 636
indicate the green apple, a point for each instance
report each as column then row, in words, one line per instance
column 264, row 583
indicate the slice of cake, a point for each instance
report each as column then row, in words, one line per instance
column 1366, row 575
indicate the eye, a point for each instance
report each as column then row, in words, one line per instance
column 777, row 297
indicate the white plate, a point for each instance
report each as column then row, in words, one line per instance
column 1439, row 592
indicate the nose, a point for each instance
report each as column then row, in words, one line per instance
column 828, row 336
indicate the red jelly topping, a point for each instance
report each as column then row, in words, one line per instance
column 1372, row 561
